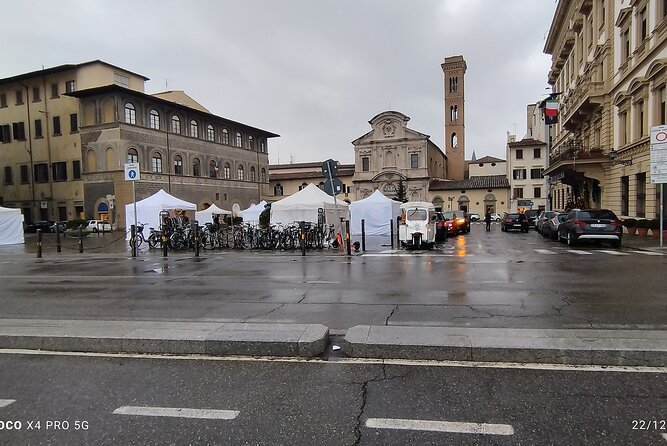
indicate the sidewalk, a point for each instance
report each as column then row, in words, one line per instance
column 643, row 243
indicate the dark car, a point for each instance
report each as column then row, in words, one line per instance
column 60, row 225
column 532, row 215
column 457, row 222
column 440, row 227
column 514, row 221
column 550, row 227
column 543, row 219
column 44, row 225
column 600, row 225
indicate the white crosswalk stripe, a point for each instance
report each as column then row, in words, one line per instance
column 648, row 253
column 576, row 251
column 545, row 251
column 5, row 403
column 614, row 253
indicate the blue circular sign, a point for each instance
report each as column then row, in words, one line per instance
column 132, row 174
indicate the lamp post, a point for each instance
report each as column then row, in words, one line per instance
column 613, row 155
column 450, row 202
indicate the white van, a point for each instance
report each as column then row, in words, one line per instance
column 417, row 228
column 99, row 225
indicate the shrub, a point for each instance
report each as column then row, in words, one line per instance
column 76, row 224
column 654, row 224
column 630, row 223
column 642, row 223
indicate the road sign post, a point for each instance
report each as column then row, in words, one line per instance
column 132, row 174
column 659, row 167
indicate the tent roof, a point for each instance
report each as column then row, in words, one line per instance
column 9, row 210
column 213, row 209
column 165, row 201
column 375, row 197
column 310, row 194
column 255, row 207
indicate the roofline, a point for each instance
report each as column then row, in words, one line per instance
column 62, row 68
column 113, row 87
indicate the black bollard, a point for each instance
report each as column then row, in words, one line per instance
column 195, row 231
column 39, row 243
column 347, row 238
column 165, row 240
column 398, row 232
column 80, row 240
column 363, row 235
column 302, row 229
column 133, row 240
column 391, row 232
column 58, row 245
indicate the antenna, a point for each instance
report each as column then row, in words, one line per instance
column 166, row 83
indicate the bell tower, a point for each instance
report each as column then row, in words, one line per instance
column 454, row 69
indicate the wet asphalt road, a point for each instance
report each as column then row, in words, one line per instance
column 478, row 280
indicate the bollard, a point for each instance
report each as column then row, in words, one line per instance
column 58, row 245
column 39, row 243
column 80, row 240
column 398, row 232
column 347, row 238
column 363, row 235
column 391, row 232
column 133, row 240
column 195, row 231
column 165, row 240
column 302, row 229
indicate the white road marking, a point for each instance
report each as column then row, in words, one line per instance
column 180, row 412
column 353, row 361
column 440, row 426
column 614, row 253
column 5, row 403
column 664, row 436
column 576, row 251
column 545, row 251
column 648, row 253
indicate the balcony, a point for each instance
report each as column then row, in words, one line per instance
column 581, row 103
column 573, row 155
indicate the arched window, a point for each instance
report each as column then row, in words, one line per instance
column 196, row 167
column 321, row 185
column 278, row 190
column 251, row 143
column 455, row 140
column 262, row 147
column 225, row 136
column 210, row 133
column 252, row 174
column 155, row 120
column 194, row 129
column 91, row 161
column 212, row 169
column 111, row 159
column 130, row 113
column 132, row 156
column 239, row 141
column 389, row 159
column 303, row 186
column 156, row 163
column 239, row 173
column 175, row 124
column 178, row 165
column 227, row 171
column 262, row 175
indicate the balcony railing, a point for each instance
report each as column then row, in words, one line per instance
column 573, row 152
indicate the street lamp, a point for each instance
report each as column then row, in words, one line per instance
column 613, row 155
column 450, row 202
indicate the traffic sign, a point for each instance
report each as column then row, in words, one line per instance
column 132, row 172
column 334, row 187
column 329, row 169
column 659, row 154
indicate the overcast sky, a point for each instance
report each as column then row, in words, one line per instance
column 313, row 71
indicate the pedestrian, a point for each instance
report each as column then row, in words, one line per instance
column 487, row 220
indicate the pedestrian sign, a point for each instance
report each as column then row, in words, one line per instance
column 132, row 172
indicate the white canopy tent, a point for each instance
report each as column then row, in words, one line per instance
column 206, row 216
column 377, row 211
column 251, row 215
column 304, row 205
column 148, row 209
column 11, row 226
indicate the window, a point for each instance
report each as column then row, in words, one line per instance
column 643, row 25
column 210, row 133
column 76, row 170
column 623, row 130
column 19, row 131
column 251, row 143
column 3, row 100
column 38, row 128
column 519, row 154
column 625, row 45
column 625, row 195
column 70, row 86
column 641, row 121
column 56, row 125
column 227, row 171
column 519, row 174
column 196, row 167
column 178, row 165
column 454, row 140
column 239, row 173
column 36, row 97
column 132, row 156
column 278, row 190
column 59, row 171
column 453, row 84
column 261, row 147
column 641, row 194
column 41, row 173
column 212, row 169
column 262, row 175
column 662, row 97
column 536, row 174
column 365, row 164
column 156, row 163
column 19, row 97
column 252, row 174
column 54, row 91
column 4, row 133
column 414, row 160
column 194, row 129
column 303, row 186
column 130, row 113
column 537, row 153
column 537, row 192
column 25, row 179
column 8, row 175
column 73, row 123
column 225, row 136
column 175, row 124
column 154, row 119
column 239, row 140
column 518, row 192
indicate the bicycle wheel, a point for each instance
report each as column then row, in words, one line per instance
column 155, row 241
column 208, row 240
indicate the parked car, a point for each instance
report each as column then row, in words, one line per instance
column 532, row 215
column 496, row 217
column 457, row 222
column 61, row 225
column 544, row 217
column 44, row 225
column 474, row 216
column 99, row 226
column 550, row 227
column 440, row 227
column 591, row 225
column 514, row 221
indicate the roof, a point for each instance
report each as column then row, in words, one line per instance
column 481, row 182
column 62, row 68
column 486, row 159
column 527, row 142
column 117, row 88
column 275, row 174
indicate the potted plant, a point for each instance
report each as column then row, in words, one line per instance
column 642, row 227
column 654, row 226
column 630, row 226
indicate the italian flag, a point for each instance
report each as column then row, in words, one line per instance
column 551, row 108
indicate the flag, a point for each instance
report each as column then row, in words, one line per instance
column 551, row 111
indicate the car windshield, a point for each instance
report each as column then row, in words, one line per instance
column 561, row 217
column 597, row 214
column 513, row 216
column 460, row 213
column 449, row 215
column 416, row 214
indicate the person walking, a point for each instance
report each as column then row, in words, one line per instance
column 487, row 220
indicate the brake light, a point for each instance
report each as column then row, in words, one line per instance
column 579, row 223
column 616, row 223
column 508, row 220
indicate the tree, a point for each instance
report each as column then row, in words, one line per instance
column 401, row 193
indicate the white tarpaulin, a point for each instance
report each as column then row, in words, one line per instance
column 11, row 226
column 251, row 215
column 206, row 216
column 303, row 206
column 148, row 210
column 376, row 211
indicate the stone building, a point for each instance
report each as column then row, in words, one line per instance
column 287, row 179
column 454, row 69
column 526, row 160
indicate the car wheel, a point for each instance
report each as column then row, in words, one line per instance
column 95, row 230
column 571, row 241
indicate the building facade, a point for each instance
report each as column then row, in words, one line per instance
column 454, row 69
column 287, row 179
column 526, row 160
